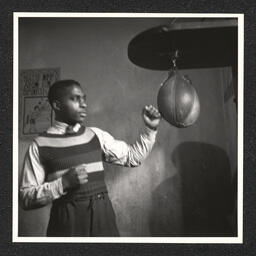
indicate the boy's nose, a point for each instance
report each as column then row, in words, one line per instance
column 83, row 104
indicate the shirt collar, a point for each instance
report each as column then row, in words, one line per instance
column 60, row 127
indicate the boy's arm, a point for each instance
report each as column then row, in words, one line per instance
column 121, row 153
column 34, row 192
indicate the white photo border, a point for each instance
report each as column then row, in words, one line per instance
column 183, row 240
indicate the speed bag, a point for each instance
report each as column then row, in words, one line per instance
column 177, row 100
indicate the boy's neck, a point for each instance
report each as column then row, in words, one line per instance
column 64, row 126
column 58, row 119
column 63, row 123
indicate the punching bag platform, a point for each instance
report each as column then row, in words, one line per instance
column 198, row 48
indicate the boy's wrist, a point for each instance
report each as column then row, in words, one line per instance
column 150, row 132
column 64, row 183
column 152, row 128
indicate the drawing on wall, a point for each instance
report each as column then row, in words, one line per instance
column 36, row 114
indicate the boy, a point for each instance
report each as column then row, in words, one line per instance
column 63, row 166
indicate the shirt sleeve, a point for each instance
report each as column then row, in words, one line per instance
column 120, row 153
column 34, row 192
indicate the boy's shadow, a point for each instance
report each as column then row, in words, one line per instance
column 203, row 192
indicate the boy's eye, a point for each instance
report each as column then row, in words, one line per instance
column 74, row 98
column 79, row 98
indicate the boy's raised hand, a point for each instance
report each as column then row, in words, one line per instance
column 74, row 177
column 151, row 117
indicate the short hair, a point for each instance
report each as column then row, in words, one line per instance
column 57, row 88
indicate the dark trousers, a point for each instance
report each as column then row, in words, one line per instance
column 93, row 216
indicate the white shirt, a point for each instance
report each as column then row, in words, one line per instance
column 35, row 191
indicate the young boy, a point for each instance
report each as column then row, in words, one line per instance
column 63, row 166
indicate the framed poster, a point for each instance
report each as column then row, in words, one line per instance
column 36, row 114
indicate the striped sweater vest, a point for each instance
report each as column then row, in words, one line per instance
column 59, row 153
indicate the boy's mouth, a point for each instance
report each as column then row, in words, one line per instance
column 83, row 114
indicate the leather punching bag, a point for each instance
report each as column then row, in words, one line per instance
column 177, row 100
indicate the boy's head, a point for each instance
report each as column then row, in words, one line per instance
column 68, row 101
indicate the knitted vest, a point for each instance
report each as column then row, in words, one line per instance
column 59, row 153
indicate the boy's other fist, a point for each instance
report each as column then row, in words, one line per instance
column 74, row 177
column 151, row 117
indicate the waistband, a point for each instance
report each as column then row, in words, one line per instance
column 86, row 191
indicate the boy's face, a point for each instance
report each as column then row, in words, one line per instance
column 72, row 106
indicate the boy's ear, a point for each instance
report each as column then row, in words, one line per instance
column 56, row 105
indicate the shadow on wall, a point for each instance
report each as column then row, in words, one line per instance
column 165, row 216
column 206, row 190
